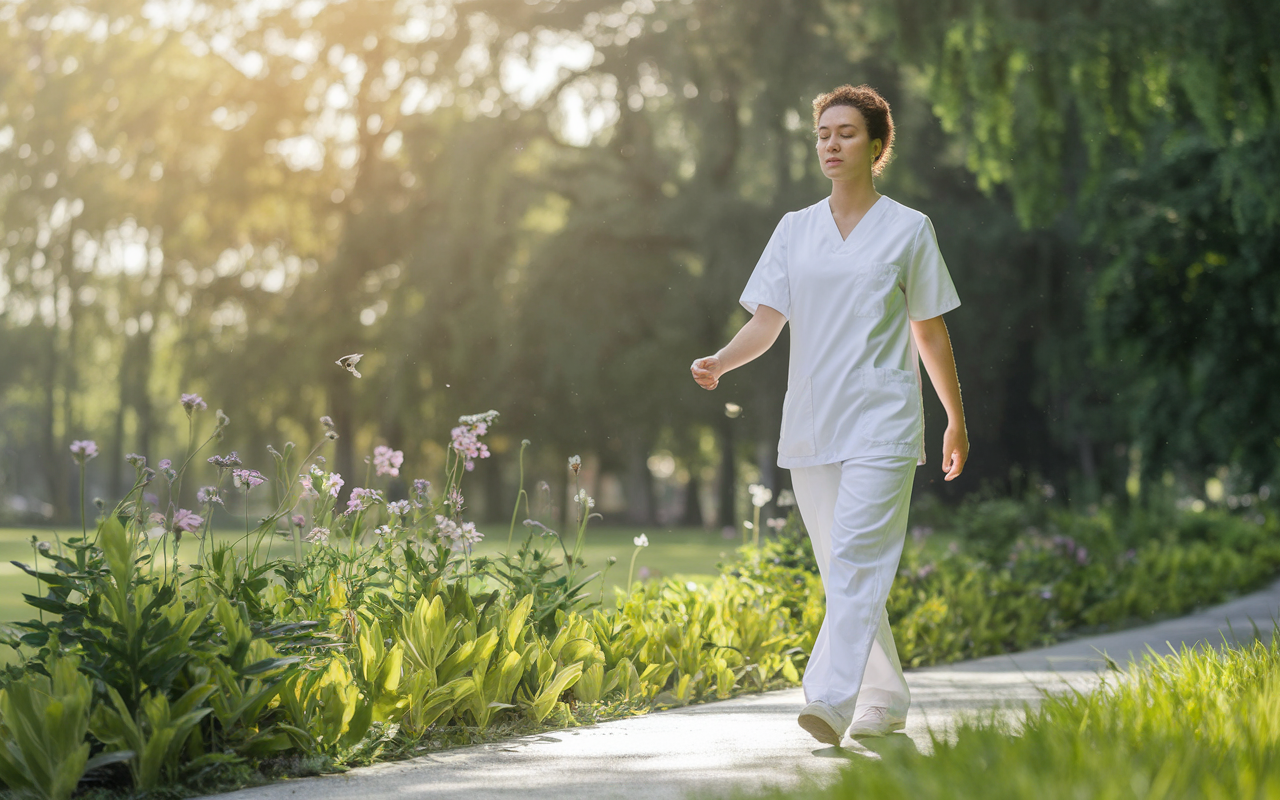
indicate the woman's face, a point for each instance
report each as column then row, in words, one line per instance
column 844, row 150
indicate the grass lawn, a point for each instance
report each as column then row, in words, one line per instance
column 1203, row 723
column 682, row 553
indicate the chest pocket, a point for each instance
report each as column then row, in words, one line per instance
column 872, row 287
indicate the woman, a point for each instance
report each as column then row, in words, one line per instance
column 860, row 279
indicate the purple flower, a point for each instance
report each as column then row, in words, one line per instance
column 387, row 461
column 1046, row 594
column 83, row 449
column 299, row 520
column 188, row 521
column 454, row 500
column 1082, row 556
column 227, row 461
column 150, row 497
column 361, row 499
column 466, row 437
column 192, row 402
column 248, row 478
column 459, row 537
column 924, row 571
column 209, row 494
column 420, row 489
column 399, row 508
column 165, row 463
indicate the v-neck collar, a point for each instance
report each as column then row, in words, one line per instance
column 835, row 229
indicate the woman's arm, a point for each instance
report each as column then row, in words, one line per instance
column 750, row 342
column 934, row 344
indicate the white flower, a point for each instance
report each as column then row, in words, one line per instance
column 760, row 495
column 575, row 464
column 383, row 530
column 317, row 535
column 582, row 497
column 641, row 541
column 786, row 498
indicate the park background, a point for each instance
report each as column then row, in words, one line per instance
column 550, row 209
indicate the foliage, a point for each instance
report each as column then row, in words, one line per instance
column 1150, row 130
column 1030, row 574
column 1197, row 723
column 377, row 633
column 43, row 721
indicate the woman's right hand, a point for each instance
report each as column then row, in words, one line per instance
column 707, row 372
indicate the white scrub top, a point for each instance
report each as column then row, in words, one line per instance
column 853, row 384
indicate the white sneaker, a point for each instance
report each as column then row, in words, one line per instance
column 875, row 721
column 822, row 722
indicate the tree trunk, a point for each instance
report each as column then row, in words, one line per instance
column 726, row 513
column 691, row 515
column 640, row 501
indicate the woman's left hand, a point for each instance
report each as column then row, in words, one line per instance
column 955, row 450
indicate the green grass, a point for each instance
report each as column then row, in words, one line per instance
column 681, row 553
column 1199, row 723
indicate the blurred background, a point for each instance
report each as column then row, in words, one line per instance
column 550, row 209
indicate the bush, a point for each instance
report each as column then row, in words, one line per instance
column 1036, row 584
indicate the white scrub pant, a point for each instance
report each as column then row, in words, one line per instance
column 856, row 514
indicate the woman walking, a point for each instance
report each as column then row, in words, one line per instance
column 864, row 286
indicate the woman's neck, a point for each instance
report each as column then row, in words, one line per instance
column 853, row 196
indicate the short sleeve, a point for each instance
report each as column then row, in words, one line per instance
column 768, row 283
column 930, row 292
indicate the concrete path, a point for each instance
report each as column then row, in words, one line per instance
column 753, row 741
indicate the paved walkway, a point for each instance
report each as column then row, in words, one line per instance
column 753, row 741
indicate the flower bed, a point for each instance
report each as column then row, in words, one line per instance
column 370, row 640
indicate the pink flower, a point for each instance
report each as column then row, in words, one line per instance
column 83, row 449
column 454, row 500
column 184, row 520
column 387, row 461
column 332, row 484
column 466, row 442
column 308, row 491
column 247, row 477
column 362, row 498
column 208, row 494
column 299, row 520
column 227, row 461
column 191, row 402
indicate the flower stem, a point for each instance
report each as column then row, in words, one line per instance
column 635, row 553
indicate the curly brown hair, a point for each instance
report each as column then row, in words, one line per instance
column 874, row 109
